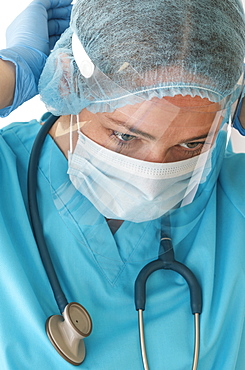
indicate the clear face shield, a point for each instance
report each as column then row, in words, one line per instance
column 152, row 154
column 137, row 159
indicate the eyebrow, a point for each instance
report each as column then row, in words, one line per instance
column 131, row 129
column 195, row 138
column 149, row 136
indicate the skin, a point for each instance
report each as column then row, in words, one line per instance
column 7, row 83
column 160, row 130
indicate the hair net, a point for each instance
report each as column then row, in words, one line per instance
column 143, row 49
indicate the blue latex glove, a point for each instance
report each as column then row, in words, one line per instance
column 29, row 39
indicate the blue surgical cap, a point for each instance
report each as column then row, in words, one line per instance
column 143, row 49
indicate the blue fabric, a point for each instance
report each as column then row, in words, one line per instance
column 98, row 270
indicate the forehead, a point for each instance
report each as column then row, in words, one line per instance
column 177, row 111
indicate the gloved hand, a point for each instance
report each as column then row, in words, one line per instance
column 29, row 39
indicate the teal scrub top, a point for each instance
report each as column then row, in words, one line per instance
column 98, row 270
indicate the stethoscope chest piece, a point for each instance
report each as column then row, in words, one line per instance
column 66, row 332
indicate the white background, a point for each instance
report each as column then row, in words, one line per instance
column 35, row 108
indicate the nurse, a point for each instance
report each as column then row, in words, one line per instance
column 144, row 94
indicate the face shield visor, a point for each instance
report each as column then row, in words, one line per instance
column 137, row 156
column 137, row 164
column 143, row 160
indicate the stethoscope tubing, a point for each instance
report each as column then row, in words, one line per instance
column 167, row 261
column 34, row 213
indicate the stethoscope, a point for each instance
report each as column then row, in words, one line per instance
column 67, row 331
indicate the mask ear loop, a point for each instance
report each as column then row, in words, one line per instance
column 229, row 128
column 78, row 123
column 71, row 144
column 71, row 122
column 71, row 130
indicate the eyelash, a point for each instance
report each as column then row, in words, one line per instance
column 120, row 143
column 196, row 151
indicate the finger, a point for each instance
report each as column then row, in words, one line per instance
column 60, row 13
column 61, row 3
column 57, row 27
column 49, row 4
column 52, row 41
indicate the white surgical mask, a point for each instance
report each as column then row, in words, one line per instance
column 126, row 188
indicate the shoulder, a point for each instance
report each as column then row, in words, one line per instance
column 232, row 180
column 19, row 136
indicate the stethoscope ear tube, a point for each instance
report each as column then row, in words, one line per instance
column 34, row 213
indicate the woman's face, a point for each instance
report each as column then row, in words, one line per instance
column 160, row 130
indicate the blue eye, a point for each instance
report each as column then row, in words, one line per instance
column 123, row 137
